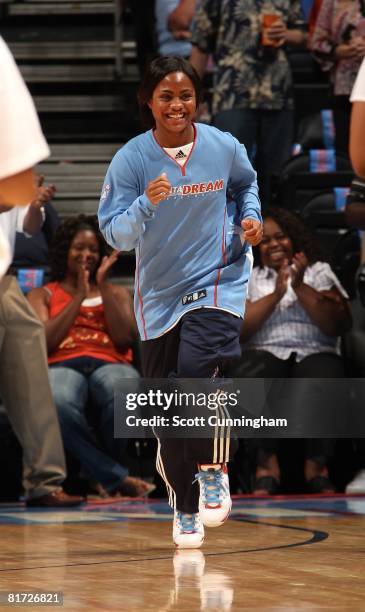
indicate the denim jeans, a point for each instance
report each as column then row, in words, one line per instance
column 73, row 392
column 267, row 136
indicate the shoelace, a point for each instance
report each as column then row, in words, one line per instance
column 212, row 481
column 187, row 522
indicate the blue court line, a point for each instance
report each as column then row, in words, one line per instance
column 157, row 510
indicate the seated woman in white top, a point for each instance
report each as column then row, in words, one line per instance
column 295, row 314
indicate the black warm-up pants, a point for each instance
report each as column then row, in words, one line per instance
column 201, row 345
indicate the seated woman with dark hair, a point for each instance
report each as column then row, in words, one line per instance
column 296, row 310
column 90, row 327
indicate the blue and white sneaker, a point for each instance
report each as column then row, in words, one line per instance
column 215, row 500
column 188, row 531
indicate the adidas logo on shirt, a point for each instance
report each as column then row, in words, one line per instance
column 180, row 155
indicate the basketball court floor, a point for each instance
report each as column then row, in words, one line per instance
column 282, row 553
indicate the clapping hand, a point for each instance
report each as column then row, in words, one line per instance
column 105, row 265
column 83, row 285
column 297, row 269
column 282, row 278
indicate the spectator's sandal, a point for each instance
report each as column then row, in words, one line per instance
column 320, row 484
column 269, row 484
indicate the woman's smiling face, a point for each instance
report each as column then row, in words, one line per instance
column 276, row 246
column 173, row 103
column 84, row 251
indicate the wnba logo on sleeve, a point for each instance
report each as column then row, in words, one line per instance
column 105, row 192
column 197, row 188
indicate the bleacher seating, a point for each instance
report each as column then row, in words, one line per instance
column 76, row 59
column 317, row 131
column 299, row 181
column 327, row 219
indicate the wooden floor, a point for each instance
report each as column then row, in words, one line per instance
column 299, row 553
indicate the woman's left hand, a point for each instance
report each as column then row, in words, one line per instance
column 297, row 269
column 252, row 231
column 105, row 265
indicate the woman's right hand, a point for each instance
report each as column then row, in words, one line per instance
column 282, row 280
column 158, row 189
column 83, row 285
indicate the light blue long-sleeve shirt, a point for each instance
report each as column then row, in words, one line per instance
column 189, row 248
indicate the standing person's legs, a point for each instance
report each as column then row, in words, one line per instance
column 276, row 134
column 70, row 392
column 209, row 343
column 209, row 339
column 242, row 123
column 197, row 347
column 26, row 392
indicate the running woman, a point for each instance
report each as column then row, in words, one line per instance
column 184, row 196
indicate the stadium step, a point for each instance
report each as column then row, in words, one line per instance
column 78, row 183
column 67, row 73
column 79, row 152
column 67, row 170
column 70, row 50
column 72, row 206
column 62, row 8
column 79, row 104
column 76, row 73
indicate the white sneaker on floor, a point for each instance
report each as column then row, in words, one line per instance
column 357, row 485
column 215, row 500
column 188, row 531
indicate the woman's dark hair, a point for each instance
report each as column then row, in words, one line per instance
column 155, row 72
column 301, row 236
column 63, row 238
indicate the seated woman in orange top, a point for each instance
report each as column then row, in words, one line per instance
column 90, row 327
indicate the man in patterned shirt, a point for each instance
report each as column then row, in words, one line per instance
column 252, row 94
